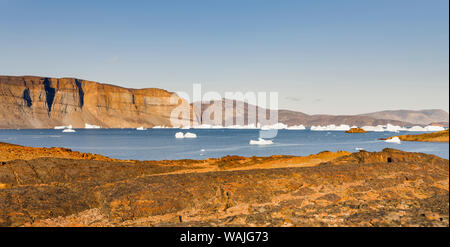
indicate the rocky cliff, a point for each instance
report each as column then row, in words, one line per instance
column 38, row 102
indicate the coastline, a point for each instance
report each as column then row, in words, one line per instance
column 441, row 136
column 59, row 187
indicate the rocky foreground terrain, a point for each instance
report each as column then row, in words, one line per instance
column 58, row 187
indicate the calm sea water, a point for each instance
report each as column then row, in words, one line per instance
column 160, row 144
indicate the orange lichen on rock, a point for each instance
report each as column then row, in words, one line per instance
column 387, row 188
column 16, row 152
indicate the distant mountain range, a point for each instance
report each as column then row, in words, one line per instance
column 400, row 117
column 40, row 102
column 419, row 117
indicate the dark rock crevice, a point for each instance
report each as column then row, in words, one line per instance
column 80, row 92
column 27, row 97
column 49, row 93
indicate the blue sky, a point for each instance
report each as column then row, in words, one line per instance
column 337, row 57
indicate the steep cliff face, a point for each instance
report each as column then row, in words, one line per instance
column 38, row 102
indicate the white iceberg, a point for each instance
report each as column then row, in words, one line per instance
column 90, row 126
column 331, row 127
column 394, row 128
column 296, row 127
column 68, row 131
column 378, row 128
column 141, row 128
column 383, row 128
column 161, row 127
column 260, row 141
column 434, row 128
column 179, row 135
column 63, row 127
column 429, row 128
column 394, row 139
column 190, row 135
column 277, row 126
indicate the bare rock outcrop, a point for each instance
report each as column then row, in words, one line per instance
column 356, row 130
column 387, row 188
column 441, row 136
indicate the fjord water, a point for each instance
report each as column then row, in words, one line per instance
column 160, row 144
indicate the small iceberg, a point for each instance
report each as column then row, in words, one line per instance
column 429, row 128
column 260, row 141
column 394, row 139
column 190, row 135
column 378, row 128
column 141, row 128
column 69, row 130
column 180, row 135
column 296, row 127
column 277, row 126
column 331, row 127
column 160, row 127
column 63, row 127
column 434, row 128
column 91, row 126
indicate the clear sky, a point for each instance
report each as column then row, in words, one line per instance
column 322, row 56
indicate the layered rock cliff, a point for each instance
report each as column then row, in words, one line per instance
column 38, row 102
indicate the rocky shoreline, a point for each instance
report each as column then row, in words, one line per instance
column 59, row 187
column 441, row 136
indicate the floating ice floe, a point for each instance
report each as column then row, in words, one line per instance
column 331, row 127
column 179, row 135
column 190, row 135
column 260, row 141
column 429, row 128
column 394, row 139
column 63, row 127
column 296, row 127
column 141, row 128
column 69, row 130
column 91, row 126
column 378, row 128
column 417, row 128
column 359, row 149
column 277, row 126
column 161, row 127
column 396, row 128
column 434, row 128
column 250, row 126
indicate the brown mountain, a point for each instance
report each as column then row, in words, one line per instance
column 39, row 102
column 231, row 111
